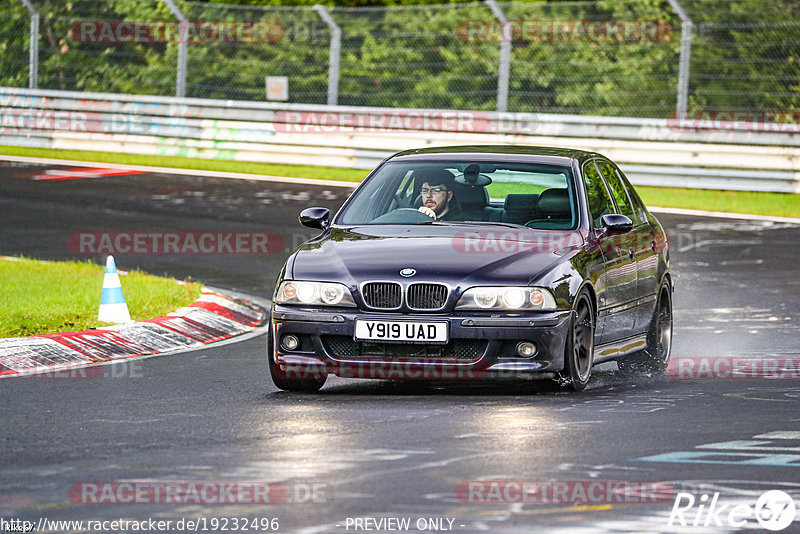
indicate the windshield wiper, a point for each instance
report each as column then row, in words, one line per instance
column 473, row 223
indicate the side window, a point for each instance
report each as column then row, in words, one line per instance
column 405, row 190
column 596, row 194
column 384, row 199
column 618, row 190
column 636, row 202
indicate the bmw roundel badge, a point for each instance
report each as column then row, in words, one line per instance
column 407, row 272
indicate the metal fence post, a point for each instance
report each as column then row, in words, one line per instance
column 180, row 82
column 505, row 56
column 685, row 57
column 335, row 53
column 33, row 63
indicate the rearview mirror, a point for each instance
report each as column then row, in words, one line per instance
column 315, row 217
column 614, row 222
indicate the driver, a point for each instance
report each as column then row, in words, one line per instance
column 438, row 198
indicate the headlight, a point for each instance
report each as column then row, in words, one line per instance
column 484, row 298
column 506, row 298
column 314, row 294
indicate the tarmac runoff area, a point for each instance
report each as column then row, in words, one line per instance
column 218, row 316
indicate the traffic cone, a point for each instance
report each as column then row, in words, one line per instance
column 113, row 308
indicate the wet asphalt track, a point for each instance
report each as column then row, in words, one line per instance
column 376, row 449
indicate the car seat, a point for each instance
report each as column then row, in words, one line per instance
column 519, row 209
column 554, row 209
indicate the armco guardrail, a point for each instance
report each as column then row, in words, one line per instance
column 650, row 151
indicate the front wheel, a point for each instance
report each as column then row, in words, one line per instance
column 579, row 351
column 290, row 384
column 654, row 358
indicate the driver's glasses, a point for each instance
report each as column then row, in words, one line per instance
column 435, row 191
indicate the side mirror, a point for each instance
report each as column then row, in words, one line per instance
column 315, row 217
column 614, row 222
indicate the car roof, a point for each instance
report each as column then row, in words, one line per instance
column 518, row 153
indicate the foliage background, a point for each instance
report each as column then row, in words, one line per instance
column 745, row 55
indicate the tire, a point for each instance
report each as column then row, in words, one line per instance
column 579, row 347
column 654, row 358
column 289, row 384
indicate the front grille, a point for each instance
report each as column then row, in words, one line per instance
column 455, row 351
column 427, row 296
column 382, row 295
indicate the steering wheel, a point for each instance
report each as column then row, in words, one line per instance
column 402, row 216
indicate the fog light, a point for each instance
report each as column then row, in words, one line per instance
column 526, row 349
column 290, row 342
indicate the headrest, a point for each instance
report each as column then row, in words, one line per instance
column 555, row 202
column 521, row 202
column 472, row 196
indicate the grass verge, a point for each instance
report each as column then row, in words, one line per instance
column 39, row 297
column 178, row 162
column 752, row 202
column 778, row 204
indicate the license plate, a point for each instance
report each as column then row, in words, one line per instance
column 401, row 331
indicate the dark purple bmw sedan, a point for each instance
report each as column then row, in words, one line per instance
column 476, row 262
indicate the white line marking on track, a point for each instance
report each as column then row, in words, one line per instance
column 779, row 434
column 186, row 172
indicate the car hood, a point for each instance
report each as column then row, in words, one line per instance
column 458, row 255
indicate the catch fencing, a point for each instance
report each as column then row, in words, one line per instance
column 634, row 58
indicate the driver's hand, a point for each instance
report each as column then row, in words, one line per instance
column 427, row 211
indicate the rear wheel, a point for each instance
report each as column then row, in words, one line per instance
column 308, row 384
column 579, row 353
column 653, row 359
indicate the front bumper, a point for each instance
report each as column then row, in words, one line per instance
column 479, row 346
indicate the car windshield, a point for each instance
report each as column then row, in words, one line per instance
column 468, row 192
